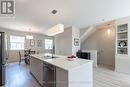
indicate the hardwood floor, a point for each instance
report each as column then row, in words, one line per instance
column 19, row 76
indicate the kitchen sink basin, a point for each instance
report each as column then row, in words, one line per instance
column 49, row 57
column 54, row 57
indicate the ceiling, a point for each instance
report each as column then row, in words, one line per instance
column 105, row 25
column 36, row 14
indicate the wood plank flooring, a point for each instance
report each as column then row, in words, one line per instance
column 19, row 76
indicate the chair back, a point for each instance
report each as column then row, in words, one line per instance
column 20, row 57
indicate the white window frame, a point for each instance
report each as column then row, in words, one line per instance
column 18, row 41
column 49, row 40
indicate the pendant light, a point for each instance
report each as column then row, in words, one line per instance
column 57, row 29
column 29, row 36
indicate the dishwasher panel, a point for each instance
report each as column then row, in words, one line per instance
column 49, row 74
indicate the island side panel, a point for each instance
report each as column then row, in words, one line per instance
column 36, row 69
column 81, row 76
column 61, row 77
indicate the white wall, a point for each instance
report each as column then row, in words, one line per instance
column 104, row 44
column 13, row 54
column 75, row 34
column 64, row 42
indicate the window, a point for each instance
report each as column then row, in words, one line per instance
column 17, row 42
column 48, row 44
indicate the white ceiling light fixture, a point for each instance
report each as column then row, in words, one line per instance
column 29, row 36
column 57, row 29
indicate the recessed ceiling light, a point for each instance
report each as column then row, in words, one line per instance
column 54, row 11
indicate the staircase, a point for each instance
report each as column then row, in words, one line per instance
column 87, row 33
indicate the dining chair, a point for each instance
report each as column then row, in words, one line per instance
column 30, row 53
column 20, row 58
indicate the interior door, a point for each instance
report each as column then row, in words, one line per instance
column 106, row 49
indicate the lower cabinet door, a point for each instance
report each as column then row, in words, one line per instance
column 36, row 68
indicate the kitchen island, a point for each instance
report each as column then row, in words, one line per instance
column 60, row 72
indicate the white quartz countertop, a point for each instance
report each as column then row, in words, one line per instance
column 62, row 61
